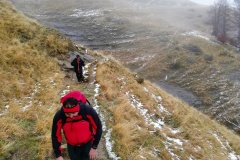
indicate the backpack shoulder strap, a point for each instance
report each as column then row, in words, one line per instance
column 88, row 102
column 83, row 112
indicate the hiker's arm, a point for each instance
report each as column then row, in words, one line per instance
column 93, row 154
column 73, row 62
column 97, row 128
column 56, row 135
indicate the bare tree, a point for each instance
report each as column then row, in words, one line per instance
column 225, row 11
column 220, row 14
column 237, row 9
column 215, row 19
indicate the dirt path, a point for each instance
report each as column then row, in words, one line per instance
column 87, row 88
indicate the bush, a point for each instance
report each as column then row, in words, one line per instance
column 194, row 49
column 208, row 57
column 139, row 79
column 191, row 60
column 175, row 64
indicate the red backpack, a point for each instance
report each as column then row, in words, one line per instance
column 77, row 95
column 81, row 98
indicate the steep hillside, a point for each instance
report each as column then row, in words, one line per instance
column 167, row 42
column 201, row 65
column 30, row 82
column 26, row 51
column 147, row 123
column 140, row 120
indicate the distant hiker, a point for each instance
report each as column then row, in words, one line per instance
column 81, row 127
column 78, row 63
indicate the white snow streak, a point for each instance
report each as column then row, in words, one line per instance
column 232, row 155
column 157, row 124
column 109, row 142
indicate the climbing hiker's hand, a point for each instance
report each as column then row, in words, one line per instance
column 60, row 158
column 93, row 154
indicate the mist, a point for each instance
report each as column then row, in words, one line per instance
column 210, row 2
column 108, row 23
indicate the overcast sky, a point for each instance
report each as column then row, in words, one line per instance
column 209, row 2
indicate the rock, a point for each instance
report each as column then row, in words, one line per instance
column 139, row 79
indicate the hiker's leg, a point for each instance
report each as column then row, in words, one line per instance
column 81, row 76
column 86, row 149
column 79, row 152
column 74, row 152
column 78, row 76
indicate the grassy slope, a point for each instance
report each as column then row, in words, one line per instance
column 29, row 77
column 197, row 131
column 204, row 73
column 170, row 53
column 27, row 66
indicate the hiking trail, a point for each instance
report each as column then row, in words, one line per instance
column 88, row 89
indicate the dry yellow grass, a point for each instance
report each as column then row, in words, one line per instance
column 200, row 135
column 31, row 82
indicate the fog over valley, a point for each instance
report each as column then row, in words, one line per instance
column 209, row 2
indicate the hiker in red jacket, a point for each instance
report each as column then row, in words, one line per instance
column 81, row 126
column 78, row 63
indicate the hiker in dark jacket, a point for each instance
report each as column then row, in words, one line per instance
column 78, row 63
column 82, row 129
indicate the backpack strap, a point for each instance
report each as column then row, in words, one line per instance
column 88, row 102
column 83, row 111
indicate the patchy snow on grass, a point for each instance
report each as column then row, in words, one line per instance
column 27, row 106
column 85, row 70
column 4, row 110
column 31, row 97
column 177, row 141
column 158, row 99
column 232, row 155
column 94, row 74
column 121, row 79
column 171, row 151
column 109, row 142
column 65, row 91
column 143, row 58
column 196, row 34
column 83, row 13
column 135, row 102
column 157, row 124
column 51, row 80
column 97, row 107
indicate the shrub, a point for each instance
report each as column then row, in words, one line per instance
column 175, row 64
column 140, row 79
column 191, row 59
column 208, row 57
column 194, row 49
